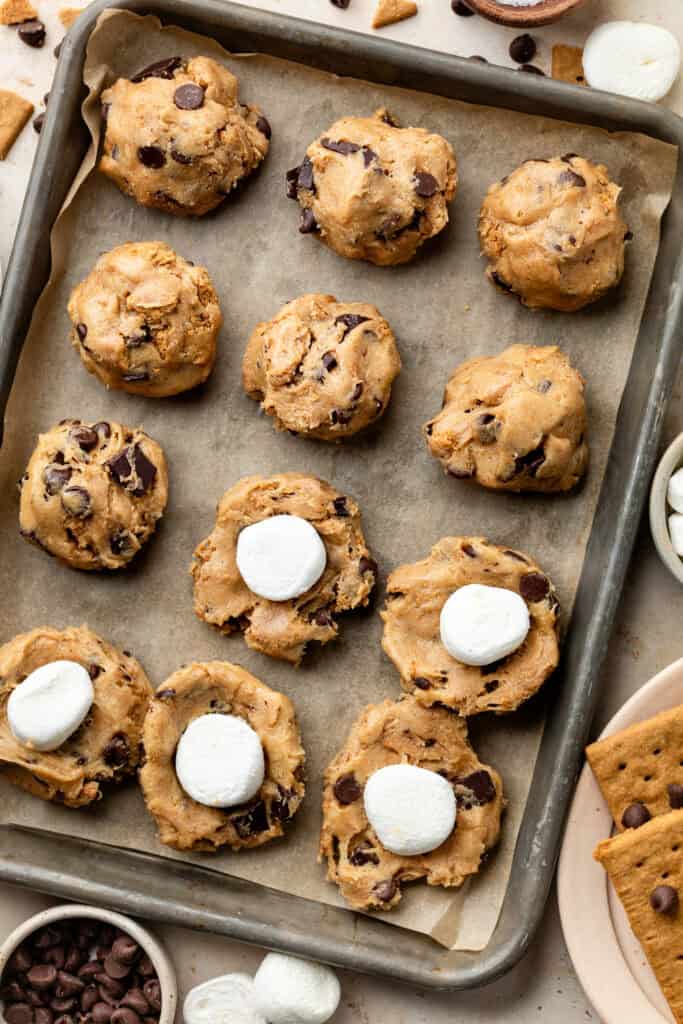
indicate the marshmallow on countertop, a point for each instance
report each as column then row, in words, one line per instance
column 674, row 491
column 480, row 624
column 632, row 58
column 281, row 557
column 292, row 991
column 411, row 809
column 50, row 705
column 219, row 761
column 228, row 999
column 676, row 532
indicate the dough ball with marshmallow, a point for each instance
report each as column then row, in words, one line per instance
column 411, row 809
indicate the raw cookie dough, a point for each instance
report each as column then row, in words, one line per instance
column 106, row 747
column 322, row 368
column 92, row 493
column 374, row 191
column 177, row 136
column 221, row 688
column 415, row 596
column 553, row 234
column 282, row 629
column 146, row 321
column 513, row 422
column 394, row 732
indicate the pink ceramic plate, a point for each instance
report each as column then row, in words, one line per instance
column 606, row 955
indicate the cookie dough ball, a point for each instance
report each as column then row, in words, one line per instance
column 146, row 321
column 92, row 493
column 283, row 628
column 374, row 191
column 219, row 688
column 178, row 138
column 553, row 234
column 106, row 746
column 513, row 422
column 322, row 368
column 405, row 732
column 416, row 595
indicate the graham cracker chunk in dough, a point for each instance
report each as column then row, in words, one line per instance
column 645, row 866
column 568, row 64
column 14, row 113
column 641, row 765
column 13, row 12
column 388, row 12
column 68, row 15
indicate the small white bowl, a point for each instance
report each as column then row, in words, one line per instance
column 152, row 947
column 671, row 460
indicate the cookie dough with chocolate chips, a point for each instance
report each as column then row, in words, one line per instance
column 415, row 596
column 106, row 747
column 553, row 233
column 374, row 191
column 404, row 732
column 146, row 321
column 322, row 368
column 178, row 138
column 282, row 629
column 513, row 422
column 92, row 493
column 217, row 687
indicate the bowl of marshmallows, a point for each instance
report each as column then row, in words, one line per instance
column 666, row 508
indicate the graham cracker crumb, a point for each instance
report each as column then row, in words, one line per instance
column 14, row 113
column 388, row 12
column 568, row 64
column 13, row 12
column 67, row 16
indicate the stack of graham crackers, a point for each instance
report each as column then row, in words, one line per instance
column 640, row 773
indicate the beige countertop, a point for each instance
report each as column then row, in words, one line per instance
column 648, row 634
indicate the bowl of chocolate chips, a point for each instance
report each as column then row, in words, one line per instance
column 75, row 964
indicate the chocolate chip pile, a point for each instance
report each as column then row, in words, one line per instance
column 80, row 971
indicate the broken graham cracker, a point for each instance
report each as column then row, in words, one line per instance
column 640, row 769
column 388, row 12
column 645, row 866
column 13, row 12
column 14, row 113
column 568, row 64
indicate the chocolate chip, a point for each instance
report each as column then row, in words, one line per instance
column 115, row 754
column 180, row 158
column 421, row 683
column 152, row 993
column 341, row 4
column 305, row 174
column 363, row 854
column 68, row 985
column 675, row 792
column 308, row 222
column 491, row 685
column 343, row 147
column 664, row 900
column 568, row 157
column 90, row 969
column 497, row 279
column 369, row 155
column 56, row 477
column 469, row 551
column 571, row 178
column 131, row 469
column 329, row 361
column 113, row 968
column 134, row 999
column 263, row 125
column 487, row 428
column 89, row 997
column 19, row 1013
column 480, row 787
column 341, row 417
column 534, row 586
column 38, row 123
column 101, row 1013
column 425, row 184
column 189, row 96
column 350, row 320
column 125, row 949
column 544, row 386
column 385, row 891
column 124, row 1015
column 253, row 822
column 458, row 7
column 340, row 507
column 628, row 236
column 32, row 33
column 292, row 178
column 357, row 391
column 347, row 789
column 142, row 337
column 82, row 331
column 103, row 430
column 367, row 565
column 151, row 156
column 145, row 470
column 159, row 69
column 523, row 48
column 531, row 461
column 42, row 976
column 121, row 543
column 635, row 815
column 85, row 437
column 76, row 502
column 531, row 69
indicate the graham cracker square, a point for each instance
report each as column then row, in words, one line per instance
column 568, row 64
column 14, row 113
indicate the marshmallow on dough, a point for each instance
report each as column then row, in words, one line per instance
column 219, row 761
column 281, row 557
column 632, row 58
column 411, row 809
column 50, row 705
column 228, row 999
column 674, row 491
column 480, row 624
column 293, row 991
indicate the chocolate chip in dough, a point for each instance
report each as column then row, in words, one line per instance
column 32, row 33
column 85, row 437
column 675, row 792
column 56, row 477
column 76, row 502
column 534, row 586
column 189, row 96
column 115, row 754
column 151, row 156
column 664, row 900
column 308, row 222
column 426, row 184
column 350, row 320
column 479, row 789
column 531, row 461
column 342, row 147
column 159, row 69
column 263, row 125
column 340, row 506
column 347, row 789
column 571, row 178
column 305, row 175
column 385, row 891
column 635, row 815
column 523, row 48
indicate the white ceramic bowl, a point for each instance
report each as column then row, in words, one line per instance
column 152, row 947
column 670, row 461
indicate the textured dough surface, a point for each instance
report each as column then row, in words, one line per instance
column 322, row 368
column 396, row 732
column 282, row 629
column 553, row 234
column 92, row 493
column 106, row 747
column 183, row 161
column 217, row 687
column 375, row 191
column 146, row 321
column 415, row 596
column 513, row 422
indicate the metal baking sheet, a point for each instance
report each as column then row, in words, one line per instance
column 253, row 913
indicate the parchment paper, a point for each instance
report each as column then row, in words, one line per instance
column 442, row 311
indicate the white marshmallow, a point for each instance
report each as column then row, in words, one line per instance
column 480, row 624
column 281, row 557
column 632, row 58
column 293, row 991
column 228, row 999
column 674, row 491
column 219, row 761
column 676, row 532
column 50, row 704
column 412, row 810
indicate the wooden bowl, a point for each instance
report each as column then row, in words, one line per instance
column 542, row 13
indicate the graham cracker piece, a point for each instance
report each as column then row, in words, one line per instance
column 13, row 12
column 568, row 64
column 67, row 16
column 639, row 764
column 638, row 862
column 14, row 113
column 388, row 12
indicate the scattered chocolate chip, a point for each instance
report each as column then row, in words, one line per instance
column 425, row 184
column 263, row 125
column 343, row 147
column 115, row 754
column 38, row 123
column 82, row 331
column 56, row 477
column 664, row 899
column 480, row 789
column 189, row 97
column 85, row 437
column 329, row 361
column 675, row 792
column 385, row 891
column 531, row 69
column 340, row 506
column 534, row 586
column 350, row 320
column 159, row 69
column 32, row 33
column 571, row 178
column 523, row 49
column 308, row 222
column 347, row 789
column 76, row 502
column 151, row 156
column 635, row 815
column 458, row 7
